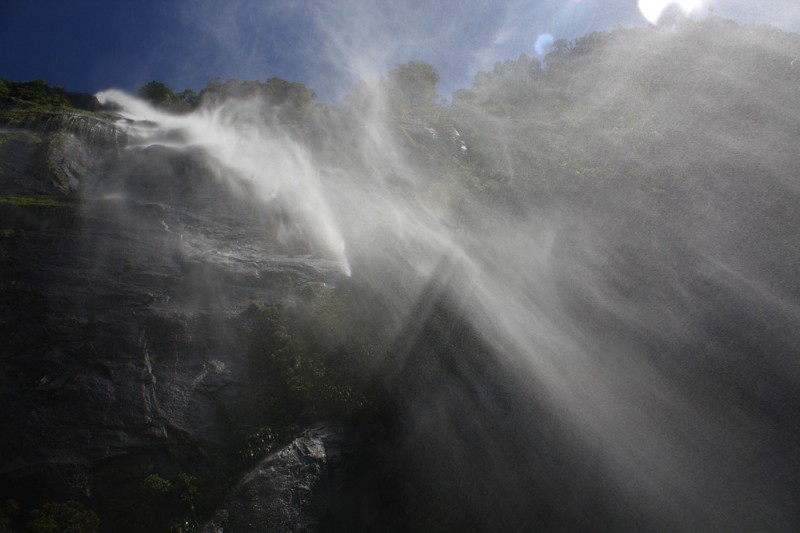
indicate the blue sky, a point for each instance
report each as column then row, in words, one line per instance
column 90, row 45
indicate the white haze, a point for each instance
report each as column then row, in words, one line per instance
column 653, row 9
column 650, row 436
column 247, row 152
column 313, row 41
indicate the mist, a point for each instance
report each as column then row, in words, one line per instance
column 641, row 307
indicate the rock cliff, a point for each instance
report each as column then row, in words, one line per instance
column 125, row 278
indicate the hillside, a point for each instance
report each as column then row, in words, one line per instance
column 568, row 300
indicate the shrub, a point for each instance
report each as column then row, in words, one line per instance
column 63, row 517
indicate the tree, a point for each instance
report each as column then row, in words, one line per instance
column 158, row 94
column 189, row 98
column 285, row 101
column 414, row 84
column 162, row 97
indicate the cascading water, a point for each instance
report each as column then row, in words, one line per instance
column 245, row 151
column 563, row 298
column 611, row 307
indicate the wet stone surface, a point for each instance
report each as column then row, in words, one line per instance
column 122, row 286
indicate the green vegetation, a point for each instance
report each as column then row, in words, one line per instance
column 161, row 96
column 63, row 517
column 407, row 90
column 258, row 444
column 312, row 357
column 308, row 361
column 9, row 512
column 26, row 117
column 158, row 484
column 34, row 201
column 634, row 103
column 38, row 96
column 177, row 500
column 281, row 100
column 413, row 85
column 51, row 517
column 32, row 93
column 6, row 136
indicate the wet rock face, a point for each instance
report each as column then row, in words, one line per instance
column 50, row 153
column 17, row 150
column 66, row 160
column 288, row 490
column 122, row 294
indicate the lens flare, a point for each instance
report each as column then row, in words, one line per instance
column 544, row 44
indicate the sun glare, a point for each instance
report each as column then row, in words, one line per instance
column 653, row 9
